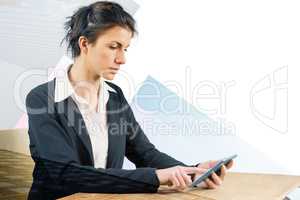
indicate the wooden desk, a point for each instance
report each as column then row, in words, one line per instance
column 236, row 186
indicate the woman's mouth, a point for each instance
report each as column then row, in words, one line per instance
column 114, row 70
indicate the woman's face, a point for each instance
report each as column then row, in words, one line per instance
column 107, row 53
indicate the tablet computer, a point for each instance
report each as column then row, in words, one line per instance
column 216, row 169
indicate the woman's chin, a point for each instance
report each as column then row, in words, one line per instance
column 109, row 76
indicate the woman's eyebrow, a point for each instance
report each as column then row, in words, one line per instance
column 120, row 44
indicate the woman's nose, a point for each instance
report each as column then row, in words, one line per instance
column 120, row 59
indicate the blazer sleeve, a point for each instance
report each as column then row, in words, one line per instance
column 139, row 149
column 55, row 158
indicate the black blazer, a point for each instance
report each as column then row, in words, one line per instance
column 61, row 149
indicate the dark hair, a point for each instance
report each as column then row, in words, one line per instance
column 90, row 21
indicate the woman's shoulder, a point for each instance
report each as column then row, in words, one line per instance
column 44, row 90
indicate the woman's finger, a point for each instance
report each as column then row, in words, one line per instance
column 203, row 184
column 187, row 179
column 175, row 182
column 210, row 184
column 192, row 170
column 229, row 165
column 181, row 180
column 216, row 179
column 223, row 172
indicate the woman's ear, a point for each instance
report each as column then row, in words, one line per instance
column 83, row 44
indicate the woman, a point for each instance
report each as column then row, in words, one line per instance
column 76, row 122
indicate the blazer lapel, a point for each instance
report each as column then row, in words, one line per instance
column 75, row 120
column 112, row 113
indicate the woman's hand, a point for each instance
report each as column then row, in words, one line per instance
column 177, row 177
column 215, row 180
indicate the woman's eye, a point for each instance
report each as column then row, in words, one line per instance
column 113, row 47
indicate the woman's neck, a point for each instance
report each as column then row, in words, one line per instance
column 83, row 80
